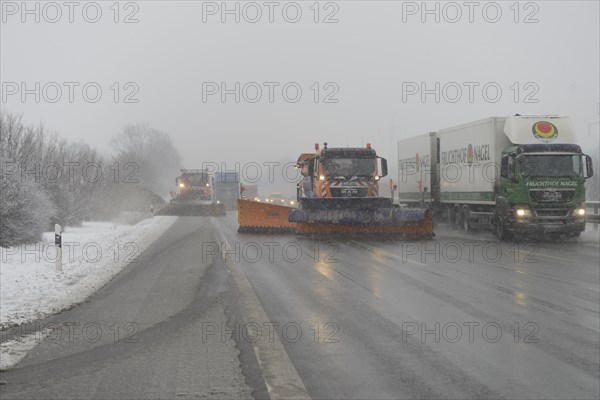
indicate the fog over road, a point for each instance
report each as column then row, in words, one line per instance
column 460, row 316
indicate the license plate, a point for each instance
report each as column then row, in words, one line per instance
column 551, row 196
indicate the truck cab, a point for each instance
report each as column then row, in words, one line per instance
column 341, row 173
column 195, row 187
column 542, row 189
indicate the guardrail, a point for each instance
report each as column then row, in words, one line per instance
column 595, row 217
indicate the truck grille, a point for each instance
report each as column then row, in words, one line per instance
column 551, row 195
column 351, row 191
column 552, row 212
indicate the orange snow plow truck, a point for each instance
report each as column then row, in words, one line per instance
column 195, row 196
column 338, row 196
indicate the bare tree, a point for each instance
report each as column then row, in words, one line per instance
column 26, row 208
column 153, row 154
column 47, row 179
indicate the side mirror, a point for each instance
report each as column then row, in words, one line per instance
column 504, row 167
column 384, row 169
column 589, row 168
column 303, row 169
column 306, row 167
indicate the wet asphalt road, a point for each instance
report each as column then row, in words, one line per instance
column 461, row 316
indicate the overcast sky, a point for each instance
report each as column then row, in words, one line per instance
column 544, row 56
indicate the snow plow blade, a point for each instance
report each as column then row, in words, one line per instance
column 189, row 210
column 219, row 210
column 263, row 218
column 390, row 222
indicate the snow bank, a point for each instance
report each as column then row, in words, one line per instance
column 30, row 288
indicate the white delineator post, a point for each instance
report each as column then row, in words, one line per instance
column 58, row 244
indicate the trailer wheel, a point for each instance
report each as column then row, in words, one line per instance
column 456, row 217
column 465, row 219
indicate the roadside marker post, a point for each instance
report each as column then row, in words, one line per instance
column 58, row 244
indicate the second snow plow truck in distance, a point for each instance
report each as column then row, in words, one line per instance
column 338, row 196
column 196, row 195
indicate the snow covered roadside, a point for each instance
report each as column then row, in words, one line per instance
column 30, row 288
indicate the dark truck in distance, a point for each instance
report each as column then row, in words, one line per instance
column 227, row 188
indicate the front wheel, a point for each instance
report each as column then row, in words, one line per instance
column 501, row 231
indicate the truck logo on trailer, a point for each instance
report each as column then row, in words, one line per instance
column 470, row 153
column 544, row 130
column 466, row 155
column 414, row 164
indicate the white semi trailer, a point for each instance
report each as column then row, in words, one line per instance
column 518, row 174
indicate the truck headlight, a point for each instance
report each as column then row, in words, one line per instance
column 322, row 177
column 377, row 177
column 522, row 212
column 580, row 212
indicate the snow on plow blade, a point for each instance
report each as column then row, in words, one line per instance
column 387, row 222
column 263, row 217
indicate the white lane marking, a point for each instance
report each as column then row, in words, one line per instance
column 281, row 378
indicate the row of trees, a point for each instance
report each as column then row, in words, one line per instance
column 47, row 179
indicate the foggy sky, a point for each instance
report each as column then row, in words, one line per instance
column 368, row 54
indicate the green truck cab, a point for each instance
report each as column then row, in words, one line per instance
column 541, row 190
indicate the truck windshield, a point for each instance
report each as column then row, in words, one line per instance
column 550, row 166
column 195, row 179
column 349, row 167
